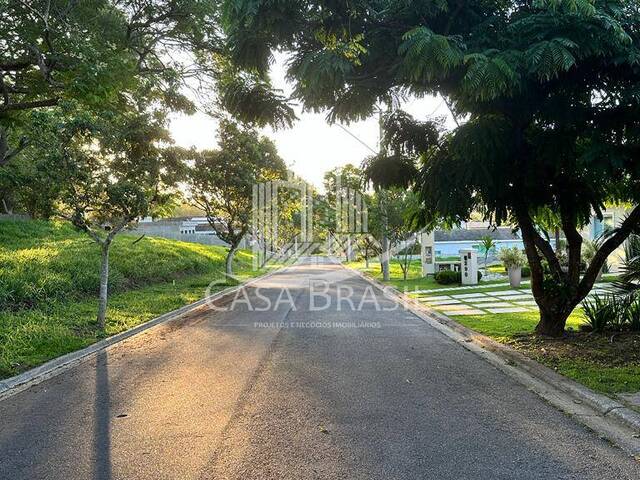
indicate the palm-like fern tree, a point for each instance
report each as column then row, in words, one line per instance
column 629, row 281
column 548, row 89
column 487, row 246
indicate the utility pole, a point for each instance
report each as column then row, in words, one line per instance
column 384, row 255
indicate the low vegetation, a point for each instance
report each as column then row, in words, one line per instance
column 49, row 282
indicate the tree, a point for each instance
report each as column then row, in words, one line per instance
column 340, row 182
column 221, row 181
column 116, row 172
column 487, row 246
column 94, row 52
column 393, row 167
column 547, row 91
column 400, row 207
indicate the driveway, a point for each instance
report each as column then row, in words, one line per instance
column 330, row 382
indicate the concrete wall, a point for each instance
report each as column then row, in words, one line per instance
column 171, row 230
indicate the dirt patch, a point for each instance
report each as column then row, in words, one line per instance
column 607, row 350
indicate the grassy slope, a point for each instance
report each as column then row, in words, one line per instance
column 593, row 360
column 49, row 284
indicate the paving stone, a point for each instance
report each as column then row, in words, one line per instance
column 504, row 293
column 482, row 299
column 468, row 295
column 526, row 303
column 467, row 312
column 451, row 301
column 511, row 298
column 508, row 310
column 452, row 308
column 492, row 305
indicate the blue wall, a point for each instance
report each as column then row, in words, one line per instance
column 450, row 249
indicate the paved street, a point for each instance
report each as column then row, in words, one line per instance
column 297, row 392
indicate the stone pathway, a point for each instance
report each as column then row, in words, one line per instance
column 483, row 303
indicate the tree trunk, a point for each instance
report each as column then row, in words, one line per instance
column 384, row 260
column 229, row 260
column 366, row 259
column 104, row 285
column 552, row 322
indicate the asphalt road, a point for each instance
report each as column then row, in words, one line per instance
column 295, row 392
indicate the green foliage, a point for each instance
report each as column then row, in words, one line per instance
column 490, row 75
column 44, row 262
column 449, row 277
column 548, row 91
column 428, row 55
column 222, row 180
column 252, row 100
column 629, row 280
column 600, row 313
column 612, row 312
column 512, row 257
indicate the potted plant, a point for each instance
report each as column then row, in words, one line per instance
column 513, row 260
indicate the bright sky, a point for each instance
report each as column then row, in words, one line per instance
column 312, row 146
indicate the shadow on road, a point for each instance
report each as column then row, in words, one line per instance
column 102, row 429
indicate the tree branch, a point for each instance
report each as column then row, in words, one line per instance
column 49, row 102
column 614, row 241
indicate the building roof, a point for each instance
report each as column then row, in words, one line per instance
column 474, row 234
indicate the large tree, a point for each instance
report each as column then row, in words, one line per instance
column 117, row 170
column 222, row 180
column 547, row 89
column 96, row 53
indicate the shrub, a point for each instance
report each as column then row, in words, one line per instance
column 512, row 257
column 633, row 314
column 526, row 271
column 448, row 277
column 599, row 313
column 612, row 312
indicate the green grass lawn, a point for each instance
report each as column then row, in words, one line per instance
column 415, row 280
column 605, row 363
column 596, row 361
column 49, row 285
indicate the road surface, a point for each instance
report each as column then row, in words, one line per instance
column 300, row 391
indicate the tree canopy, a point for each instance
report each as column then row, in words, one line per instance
column 222, row 180
column 548, row 89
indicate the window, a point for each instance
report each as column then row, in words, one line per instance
column 604, row 226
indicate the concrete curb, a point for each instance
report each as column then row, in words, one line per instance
column 52, row 368
column 604, row 406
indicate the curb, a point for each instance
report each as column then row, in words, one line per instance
column 13, row 385
column 581, row 395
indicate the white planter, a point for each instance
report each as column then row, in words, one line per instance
column 515, row 277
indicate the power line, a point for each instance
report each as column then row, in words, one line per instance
column 356, row 138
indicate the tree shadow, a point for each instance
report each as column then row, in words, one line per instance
column 102, row 413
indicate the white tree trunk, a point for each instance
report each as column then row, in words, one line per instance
column 229, row 260
column 104, row 285
column 384, row 259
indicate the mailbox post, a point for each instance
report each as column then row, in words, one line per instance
column 469, row 267
column 427, row 254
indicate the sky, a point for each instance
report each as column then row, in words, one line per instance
column 312, row 146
